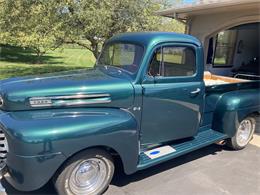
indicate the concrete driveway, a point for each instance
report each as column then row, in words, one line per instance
column 211, row 170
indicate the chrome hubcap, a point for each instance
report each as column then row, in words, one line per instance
column 244, row 132
column 88, row 176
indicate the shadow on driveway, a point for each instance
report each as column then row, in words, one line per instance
column 121, row 180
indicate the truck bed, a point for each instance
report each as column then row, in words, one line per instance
column 220, row 84
column 217, row 86
column 211, row 79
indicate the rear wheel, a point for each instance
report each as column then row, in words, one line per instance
column 244, row 134
column 89, row 172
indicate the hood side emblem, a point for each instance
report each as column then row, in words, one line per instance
column 40, row 102
column 70, row 100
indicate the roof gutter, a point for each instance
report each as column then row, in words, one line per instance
column 173, row 16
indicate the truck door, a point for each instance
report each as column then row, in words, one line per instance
column 173, row 91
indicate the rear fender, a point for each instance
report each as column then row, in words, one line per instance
column 232, row 107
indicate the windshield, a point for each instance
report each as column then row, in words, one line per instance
column 125, row 56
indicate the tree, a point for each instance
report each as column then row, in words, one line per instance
column 46, row 24
column 89, row 22
column 168, row 24
column 172, row 25
column 34, row 24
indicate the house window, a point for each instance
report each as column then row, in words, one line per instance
column 225, row 48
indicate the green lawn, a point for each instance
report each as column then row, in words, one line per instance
column 220, row 61
column 20, row 62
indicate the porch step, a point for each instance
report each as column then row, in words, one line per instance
column 164, row 153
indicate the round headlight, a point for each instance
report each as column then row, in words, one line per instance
column 1, row 101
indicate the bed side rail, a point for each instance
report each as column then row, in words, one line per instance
column 247, row 76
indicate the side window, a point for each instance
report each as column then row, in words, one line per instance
column 173, row 61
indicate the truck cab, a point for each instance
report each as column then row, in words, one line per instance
column 170, row 80
column 147, row 100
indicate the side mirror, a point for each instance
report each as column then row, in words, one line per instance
column 148, row 79
column 157, row 79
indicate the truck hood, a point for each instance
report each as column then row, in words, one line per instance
column 97, row 87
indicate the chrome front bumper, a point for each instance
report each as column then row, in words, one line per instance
column 3, row 150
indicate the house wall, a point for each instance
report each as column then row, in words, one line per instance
column 205, row 26
column 249, row 35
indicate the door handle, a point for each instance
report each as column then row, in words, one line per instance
column 197, row 91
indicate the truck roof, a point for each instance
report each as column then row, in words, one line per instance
column 153, row 38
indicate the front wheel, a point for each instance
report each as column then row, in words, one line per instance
column 244, row 134
column 88, row 173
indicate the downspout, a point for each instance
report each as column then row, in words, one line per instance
column 186, row 22
column 188, row 26
column 175, row 16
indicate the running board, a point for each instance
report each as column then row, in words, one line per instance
column 164, row 153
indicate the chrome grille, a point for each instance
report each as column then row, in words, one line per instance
column 3, row 149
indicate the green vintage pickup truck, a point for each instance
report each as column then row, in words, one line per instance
column 147, row 100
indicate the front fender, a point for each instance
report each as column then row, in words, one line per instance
column 66, row 132
column 232, row 107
